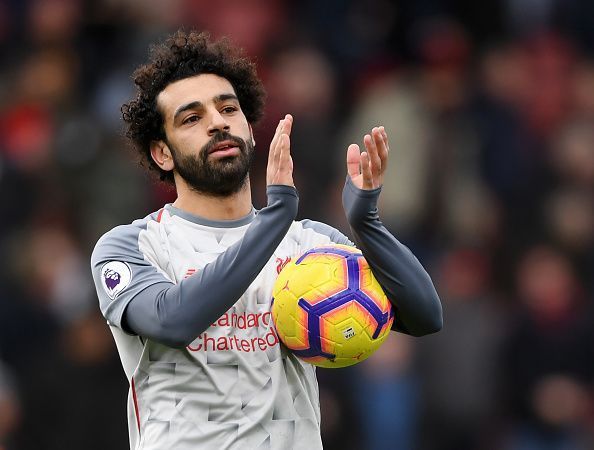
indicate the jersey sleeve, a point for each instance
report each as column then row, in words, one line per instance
column 174, row 314
column 121, row 272
column 399, row 272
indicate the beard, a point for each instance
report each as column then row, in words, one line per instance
column 218, row 177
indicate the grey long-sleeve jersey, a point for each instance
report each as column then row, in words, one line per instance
column 188, row 300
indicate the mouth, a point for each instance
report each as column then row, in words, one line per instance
column 225, row 148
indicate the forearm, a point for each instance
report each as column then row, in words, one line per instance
column 176, row 314
column 399, row 272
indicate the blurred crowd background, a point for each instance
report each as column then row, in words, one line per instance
column 490, row 111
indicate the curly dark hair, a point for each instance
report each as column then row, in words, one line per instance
column 183, row 55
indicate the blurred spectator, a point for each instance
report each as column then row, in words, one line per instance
column 387, row 396
column 436, row 192
column 548, row 359
column 74, row 391
column 550, row 60
column 458, row 367
column 505, row 142
column 249, row 23
column 583, row 90
column 569, row 205
column 10, row 408
column 572, row 155
column 570, row 213
column 394, row 102
column 300, row 79
column 54, row 21
column 341, row 427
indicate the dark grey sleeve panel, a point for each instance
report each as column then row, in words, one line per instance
column 407, row 284
column 175, row 315
column 335, row 236
column 120, row 270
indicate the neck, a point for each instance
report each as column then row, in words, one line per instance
column 234, row 206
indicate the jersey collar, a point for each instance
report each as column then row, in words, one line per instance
column 211, row 223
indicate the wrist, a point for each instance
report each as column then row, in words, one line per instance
column 359, row 204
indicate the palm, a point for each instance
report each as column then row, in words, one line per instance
column 367, row 168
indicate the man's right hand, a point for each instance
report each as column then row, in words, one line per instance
column 280, row 163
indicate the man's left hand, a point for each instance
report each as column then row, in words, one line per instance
column 367, row 168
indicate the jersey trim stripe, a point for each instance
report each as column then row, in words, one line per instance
column 136, row 411
column 234, row 223
column 160, row 214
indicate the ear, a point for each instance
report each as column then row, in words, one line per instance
column 161, row 154
column 252, row 134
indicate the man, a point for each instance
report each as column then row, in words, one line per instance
column 185, row 287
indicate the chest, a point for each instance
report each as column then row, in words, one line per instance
column 183, row 253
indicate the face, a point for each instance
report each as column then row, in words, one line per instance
column 208, row 139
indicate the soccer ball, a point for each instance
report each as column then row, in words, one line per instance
column 329, row 309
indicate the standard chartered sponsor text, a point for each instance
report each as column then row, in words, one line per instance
column 243, row 321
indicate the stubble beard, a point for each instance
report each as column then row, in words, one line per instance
column 215, row 177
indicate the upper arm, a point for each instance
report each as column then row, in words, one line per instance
column 121, row 272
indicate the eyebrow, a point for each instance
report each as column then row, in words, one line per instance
column 197, row 105
column 223, row 97
column 192, row 105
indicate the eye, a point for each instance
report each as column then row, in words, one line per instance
column 229, row 109
column 190, row 119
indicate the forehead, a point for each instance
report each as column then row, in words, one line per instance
column 202, row 88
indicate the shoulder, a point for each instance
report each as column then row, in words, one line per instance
column 121, row 240
column 323, row 230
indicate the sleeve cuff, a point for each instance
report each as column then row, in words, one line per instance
column 281, row 189
column 363, row 193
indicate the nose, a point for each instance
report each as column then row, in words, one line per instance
column 217, row 123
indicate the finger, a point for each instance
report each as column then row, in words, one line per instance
column 381, row 153
column 366, row 171
column 273, row 149
column 285, row 166
column 382, row 146
column 274, row 153
column 371, row 147
column 288, row 124
column 277, row 151
column 274, row 142
column 385, row 136
column 353, row 160
column 284, row 152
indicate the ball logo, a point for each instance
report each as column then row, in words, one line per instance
column 348, row 332
column 115, row 276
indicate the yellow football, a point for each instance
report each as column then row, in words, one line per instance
column 329, row 309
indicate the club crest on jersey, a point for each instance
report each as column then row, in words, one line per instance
column 115, row 277
column 281, row 263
